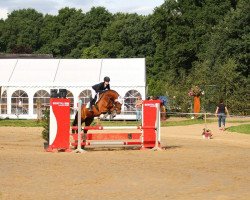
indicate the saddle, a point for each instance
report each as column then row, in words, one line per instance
column 95, row 100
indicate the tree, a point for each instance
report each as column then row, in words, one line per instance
column 129, row 35
column 21, row 31
column 92, row 26
column 181, row 28
column 50, row 31
column 92, row 52
column 2, row 42
column 70, row 23
column 232, row 86
column 226, row 57
column 96, row 21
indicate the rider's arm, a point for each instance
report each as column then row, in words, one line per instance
column 97, row 87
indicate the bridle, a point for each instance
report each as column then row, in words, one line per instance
column 116, row 105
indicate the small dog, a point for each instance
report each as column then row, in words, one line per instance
column 207, row 134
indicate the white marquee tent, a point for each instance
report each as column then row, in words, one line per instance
column 26, row 83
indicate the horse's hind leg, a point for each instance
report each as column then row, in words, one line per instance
column 74, row 123
column 88, row 121
column 75, row 120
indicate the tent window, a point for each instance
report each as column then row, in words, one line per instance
column 19, row 103
column 41, row 101
column 85, row 96
column 71, row 98
column 130, row 99
column 3, row 103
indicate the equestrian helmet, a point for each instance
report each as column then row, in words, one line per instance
column 106, row 79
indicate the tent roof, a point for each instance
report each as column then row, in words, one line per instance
column 72, row 72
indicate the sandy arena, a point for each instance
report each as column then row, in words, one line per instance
column 189, row 167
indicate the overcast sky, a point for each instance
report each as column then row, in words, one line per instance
column 143, row 7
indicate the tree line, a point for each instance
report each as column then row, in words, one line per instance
column 185, row 43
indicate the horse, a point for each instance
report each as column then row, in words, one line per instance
column 109, row 102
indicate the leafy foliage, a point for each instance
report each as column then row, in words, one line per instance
column 21, row 31
column 185, row 43
column 46, row 120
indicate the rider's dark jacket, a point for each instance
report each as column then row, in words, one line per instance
column 100, row 87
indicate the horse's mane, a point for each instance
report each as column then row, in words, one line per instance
column 107, row 91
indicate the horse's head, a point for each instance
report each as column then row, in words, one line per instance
column 118, row 105
column 116, row 108
column 115, row 104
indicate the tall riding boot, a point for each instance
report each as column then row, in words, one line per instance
column 92, row 102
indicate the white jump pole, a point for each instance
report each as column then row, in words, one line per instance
column 79, row 148
column 142, row 131
column 157, row 128
column 118, row 127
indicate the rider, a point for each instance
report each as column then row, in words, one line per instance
column 97, row 89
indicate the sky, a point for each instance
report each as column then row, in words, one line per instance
column 142, row 7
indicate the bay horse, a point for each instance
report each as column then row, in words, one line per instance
column 109, row 102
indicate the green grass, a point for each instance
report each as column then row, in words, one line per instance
column 243, row 128
column 237, row 121
column 185, row 122
column 20, row 123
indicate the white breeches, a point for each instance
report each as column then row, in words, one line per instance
column 93, row 93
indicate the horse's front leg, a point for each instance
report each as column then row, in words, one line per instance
column 104, row 115
column 113, row 114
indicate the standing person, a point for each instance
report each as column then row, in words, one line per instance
column 138, row 106
column 20, row 106
column 97, row 89
column 221, row 112
column 163, row 111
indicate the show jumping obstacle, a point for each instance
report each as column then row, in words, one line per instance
column 147, row 135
